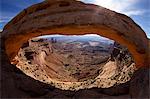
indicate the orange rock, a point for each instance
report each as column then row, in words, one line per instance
column 71, row 17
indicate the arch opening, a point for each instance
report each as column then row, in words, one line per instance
column 73, row 17
column 50, row 17
column 76, row 61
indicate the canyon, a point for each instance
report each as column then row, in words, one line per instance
column 73, row 64
column 72, row 17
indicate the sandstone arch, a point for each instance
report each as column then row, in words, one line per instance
column 74, row 17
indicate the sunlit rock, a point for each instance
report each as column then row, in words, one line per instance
column 71, row 17
column 73, row 63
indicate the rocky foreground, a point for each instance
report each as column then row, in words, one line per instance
column 73, row 65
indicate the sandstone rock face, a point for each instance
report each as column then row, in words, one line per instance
column 72, row 17
column 139, row 86
column 74, row 64
column 149, row 51
column 15, row 84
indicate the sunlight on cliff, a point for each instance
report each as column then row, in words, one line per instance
column 75, row 62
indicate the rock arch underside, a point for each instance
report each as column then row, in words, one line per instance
column 71, row 17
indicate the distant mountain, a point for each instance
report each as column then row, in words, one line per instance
column 83, row 38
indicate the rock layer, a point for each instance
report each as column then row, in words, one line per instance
column 13, row 86
column 46, row 61
column 49, row 17
column 71, row 17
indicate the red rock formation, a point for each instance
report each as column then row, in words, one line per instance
column 71, row 17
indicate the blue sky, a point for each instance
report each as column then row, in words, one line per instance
column 138, row 10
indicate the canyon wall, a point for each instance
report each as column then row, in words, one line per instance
column 71, row 17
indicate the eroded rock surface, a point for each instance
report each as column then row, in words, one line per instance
column 141, row 78
column 75, row 18
column 16, row 84
column 13, row 86
column 74, row 65
column 49, row 17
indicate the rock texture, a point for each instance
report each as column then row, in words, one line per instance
column 149, row 51
column 15, row 84
column 139, row 86
column 48, row 62
column 49, row 17
column 74, row 17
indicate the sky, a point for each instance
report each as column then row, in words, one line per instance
column 138, row 10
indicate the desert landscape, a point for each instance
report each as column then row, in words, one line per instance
column 75, row 49
column 76, row 62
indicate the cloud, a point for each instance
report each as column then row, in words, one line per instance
column 10, row 10
column 5, row 19
column 127, row 7
column 135, row 12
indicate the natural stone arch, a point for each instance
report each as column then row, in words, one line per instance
column 70, row 17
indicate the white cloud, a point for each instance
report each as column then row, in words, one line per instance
column 135, row 12
column 4, row 19
column 123, row 6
